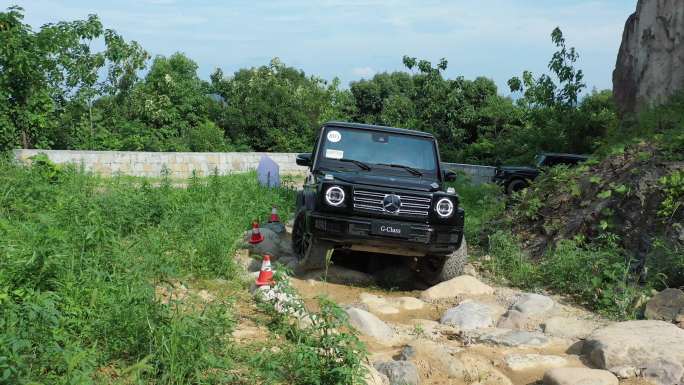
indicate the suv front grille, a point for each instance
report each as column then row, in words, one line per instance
column 411, row 205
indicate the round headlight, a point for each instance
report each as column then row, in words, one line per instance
column 334, row 196
column 444, row 207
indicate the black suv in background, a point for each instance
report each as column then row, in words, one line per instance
column 516, row 178
column 379, row 189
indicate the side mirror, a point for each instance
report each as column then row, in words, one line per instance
column 304, row 160
column 449, row 176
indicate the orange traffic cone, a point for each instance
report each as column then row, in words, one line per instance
column 266, row 273
column 274, row 215
column 256, row 234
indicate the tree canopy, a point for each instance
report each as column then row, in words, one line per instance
column 57, row 92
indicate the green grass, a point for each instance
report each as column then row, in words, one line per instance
column 80, row 257
column 596, row 274
column 482, row 203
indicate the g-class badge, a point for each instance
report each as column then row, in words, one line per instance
column 391, row 203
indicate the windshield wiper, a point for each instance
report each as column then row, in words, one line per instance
column 356, row 162
column 407, row 168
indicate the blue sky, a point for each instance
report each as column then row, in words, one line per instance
column 354, row 39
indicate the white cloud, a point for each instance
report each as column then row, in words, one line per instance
column 364, row 72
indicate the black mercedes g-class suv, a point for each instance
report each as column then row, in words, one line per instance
column 516, row 178
column 379, row 189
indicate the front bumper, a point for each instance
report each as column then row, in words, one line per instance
column 350, row 232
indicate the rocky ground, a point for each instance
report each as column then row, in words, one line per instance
column 466, row 331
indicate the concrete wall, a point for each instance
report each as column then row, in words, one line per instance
column 477, row 174
column 151, row 164
column 182, row 164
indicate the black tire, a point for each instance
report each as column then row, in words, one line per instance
column 516, row 185
column 310, row 252
column 434, row 269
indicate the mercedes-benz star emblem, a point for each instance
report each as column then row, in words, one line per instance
column 391, row 203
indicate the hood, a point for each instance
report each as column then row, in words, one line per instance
column 388, row 181
column 519, row 169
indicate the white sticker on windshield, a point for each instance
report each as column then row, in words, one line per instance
column 334, row 154
column 334, row 136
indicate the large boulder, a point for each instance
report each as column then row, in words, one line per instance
column 373, row 377
column 579, row 376
column 632, row 348
column 274, row 244
column 514, row 338
column 399, row 372
column 522, row 362
column 340, row 275
column 667, row 305
column 650, row 63
column 377, row 304
column 514, row 319
column 370, row 325
column 530, row 304
column 390, row 305
column 469, row 315
column 439, row 358
column 462, row 286
column 572, row 328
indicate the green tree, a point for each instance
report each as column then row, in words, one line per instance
column 557, row 119
column 465, row 115
column 276, row 107
column 543, row 91
column 48, row 75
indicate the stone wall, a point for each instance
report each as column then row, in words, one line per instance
column 151, row 164
column 477, row 174
column 182, row 164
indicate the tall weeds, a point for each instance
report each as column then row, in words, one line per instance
column 79, row 260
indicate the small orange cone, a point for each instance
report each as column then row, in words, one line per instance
column 274, row 215
column 266, row 273
column 256, row 234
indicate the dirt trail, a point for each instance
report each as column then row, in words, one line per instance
column 438, row 346
column 467, row 332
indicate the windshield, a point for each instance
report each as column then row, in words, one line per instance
column 403, row 154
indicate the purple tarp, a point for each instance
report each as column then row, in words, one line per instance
column 268, row 172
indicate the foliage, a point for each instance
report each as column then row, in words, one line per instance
column 48, row 74
column 324, row 348
column 662, row 124
column 482, row 204
column 55, row 92
column 466, row 116
column 673, row 187
column 543, row 92
column 275, row 107
column 80, row 258
column 596, row 275
column 557, row 119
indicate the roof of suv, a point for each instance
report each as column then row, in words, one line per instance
column 373, row 127
column 561, row 155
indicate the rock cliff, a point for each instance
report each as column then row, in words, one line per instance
column 650, row 63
